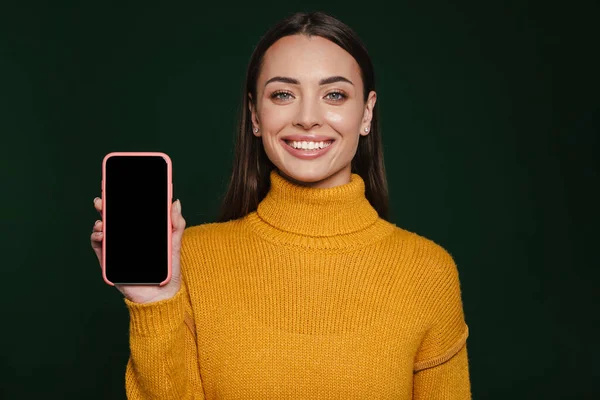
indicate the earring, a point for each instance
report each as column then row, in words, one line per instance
column 255, row 130
column 367, row 129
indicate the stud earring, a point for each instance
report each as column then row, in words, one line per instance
column 255, row 130
column 366, row 129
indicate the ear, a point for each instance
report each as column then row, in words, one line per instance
column 368, row 114
column 253, row 116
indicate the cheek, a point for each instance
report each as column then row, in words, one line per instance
column 344, row 121
column 273, row 119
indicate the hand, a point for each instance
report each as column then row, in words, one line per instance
column 142, row 293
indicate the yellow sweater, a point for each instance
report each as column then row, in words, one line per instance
column 312, row 296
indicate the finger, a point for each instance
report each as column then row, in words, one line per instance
column 98, row 204
column 177, row 219
column 96, row 240
column 97, row 226
column 178, row 223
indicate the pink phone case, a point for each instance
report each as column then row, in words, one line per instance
column 168, row 205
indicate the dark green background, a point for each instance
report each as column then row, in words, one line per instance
column 489, row 121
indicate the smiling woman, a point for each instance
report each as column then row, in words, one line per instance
column 303, row 289
column 310, row 84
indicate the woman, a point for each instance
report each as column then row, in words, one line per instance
column 302, row 289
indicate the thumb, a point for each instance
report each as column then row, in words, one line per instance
column 176, row 218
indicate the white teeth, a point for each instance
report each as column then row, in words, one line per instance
column 309, row 145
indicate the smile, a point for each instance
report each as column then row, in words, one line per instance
column 307, row 150
column 308, row 145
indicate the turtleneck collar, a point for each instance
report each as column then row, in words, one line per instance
column 317, row 212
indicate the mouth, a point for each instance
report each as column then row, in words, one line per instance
column 306, row 150
column 308, row 146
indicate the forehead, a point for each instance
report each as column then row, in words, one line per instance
column 308, row 59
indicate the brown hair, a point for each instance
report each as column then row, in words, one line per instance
column 250, row 181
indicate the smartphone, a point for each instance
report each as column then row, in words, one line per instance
column 137, row 194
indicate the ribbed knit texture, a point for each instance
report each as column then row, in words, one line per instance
column 312, row 296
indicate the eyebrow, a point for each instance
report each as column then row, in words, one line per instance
column 324, row 81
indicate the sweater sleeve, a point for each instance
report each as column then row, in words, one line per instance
column 447, row 381
column 441, row 369
column 163, row 361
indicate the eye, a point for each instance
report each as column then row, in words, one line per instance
column 337, row 96
column 281, row 95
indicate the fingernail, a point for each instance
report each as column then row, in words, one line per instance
column 96, row 198
column 178, row 206
column 97, row 222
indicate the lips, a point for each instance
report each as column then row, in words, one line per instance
column 315, row 145
column 306, row 154
column 307, row 138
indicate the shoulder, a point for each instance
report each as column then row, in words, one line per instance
column 430, row 259
column 419, row 245
column 433, row 278
column 206, row 244
column 439, row 255
column 211, row 231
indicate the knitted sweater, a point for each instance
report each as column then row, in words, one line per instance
column 311, row 296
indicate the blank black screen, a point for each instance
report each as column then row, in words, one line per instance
column 136, row 230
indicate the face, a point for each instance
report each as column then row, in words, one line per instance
column 310, row 90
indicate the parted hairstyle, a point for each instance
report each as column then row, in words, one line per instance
column 250, row 180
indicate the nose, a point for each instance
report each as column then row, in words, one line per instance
column 308, row 114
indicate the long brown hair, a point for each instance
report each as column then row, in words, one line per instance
column 250, row 180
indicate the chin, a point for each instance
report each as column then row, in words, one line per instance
column 304, row 176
